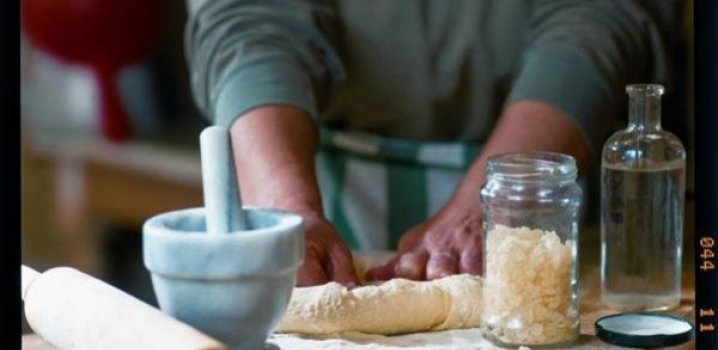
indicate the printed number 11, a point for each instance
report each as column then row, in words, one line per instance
column 706, row 327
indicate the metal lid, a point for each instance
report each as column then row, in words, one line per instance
column 644, row 330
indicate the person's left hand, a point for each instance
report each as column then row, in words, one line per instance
column 448, row 243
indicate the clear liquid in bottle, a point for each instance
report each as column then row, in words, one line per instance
column 643, row 236
column 642, row 195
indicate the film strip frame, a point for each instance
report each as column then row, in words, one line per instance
column 706, row 173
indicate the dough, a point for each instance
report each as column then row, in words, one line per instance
column 397, row 306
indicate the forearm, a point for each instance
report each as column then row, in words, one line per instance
column 274, row 149
column 525, row 126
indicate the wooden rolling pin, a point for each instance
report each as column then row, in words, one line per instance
column 74, row 311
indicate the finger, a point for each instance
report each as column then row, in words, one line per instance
column 340, row 268
column 471, row 260
column 383, row 272
column 311, row 272
column 441, row 265
column 412, row 266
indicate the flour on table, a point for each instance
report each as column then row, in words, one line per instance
column 457, row 339
column 395, row 307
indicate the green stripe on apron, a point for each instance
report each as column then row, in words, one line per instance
column 470, row 154
column 407, row 189
column 337, row 164
column 407, row 199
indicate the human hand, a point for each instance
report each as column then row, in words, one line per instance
column 326, row 256
column 448, row 243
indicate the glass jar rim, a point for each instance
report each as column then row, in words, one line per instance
column 645, row 89
column 532, row 167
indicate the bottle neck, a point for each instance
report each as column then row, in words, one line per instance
column 644, row 112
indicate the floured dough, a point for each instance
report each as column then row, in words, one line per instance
column 397, row 306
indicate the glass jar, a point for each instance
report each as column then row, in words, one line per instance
column 642, row 191
column 530, row 205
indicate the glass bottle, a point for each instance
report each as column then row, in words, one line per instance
column 642, row 192
column 530, row 206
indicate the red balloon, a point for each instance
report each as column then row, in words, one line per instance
column 102, row 34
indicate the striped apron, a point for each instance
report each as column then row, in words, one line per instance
column 375, row 188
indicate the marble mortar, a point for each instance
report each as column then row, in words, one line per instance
column 234, row 287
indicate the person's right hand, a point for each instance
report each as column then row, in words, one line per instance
column 326, row 256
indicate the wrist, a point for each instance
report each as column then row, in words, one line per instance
column 274, row 156
column 467, row 197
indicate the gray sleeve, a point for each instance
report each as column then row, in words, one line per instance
column 246, row 53
column 581, row 54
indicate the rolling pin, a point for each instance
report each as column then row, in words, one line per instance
column 74, row 311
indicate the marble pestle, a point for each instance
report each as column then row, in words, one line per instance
column 222, row 199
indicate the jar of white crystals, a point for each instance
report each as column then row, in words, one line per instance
column 531, row 207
